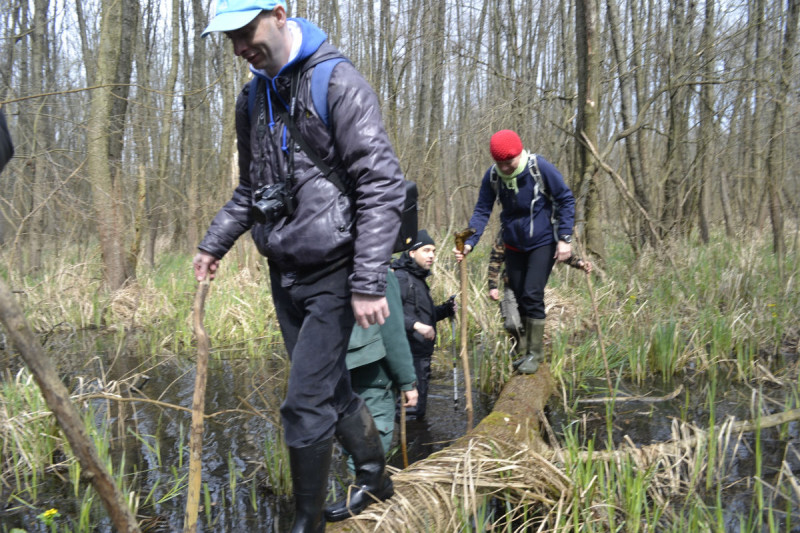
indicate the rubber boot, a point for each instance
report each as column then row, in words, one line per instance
column 521, row 349
column 534, row 334
column 359, row 436
column 310, row 465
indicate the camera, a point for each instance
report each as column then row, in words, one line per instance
column 272, row 203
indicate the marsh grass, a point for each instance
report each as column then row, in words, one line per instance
column 717, row 311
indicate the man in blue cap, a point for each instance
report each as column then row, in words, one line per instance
column 328, row 244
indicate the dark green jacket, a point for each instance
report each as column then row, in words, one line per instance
column 379, row 356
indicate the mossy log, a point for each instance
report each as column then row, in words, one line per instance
column 504, row 452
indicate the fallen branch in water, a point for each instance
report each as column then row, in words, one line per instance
column 645, row 399
column 67, row 416
column 166, row 405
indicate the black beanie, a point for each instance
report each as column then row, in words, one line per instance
column 423, row 239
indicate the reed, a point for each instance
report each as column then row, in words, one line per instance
column 716, row 311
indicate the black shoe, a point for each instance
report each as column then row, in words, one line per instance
column 359, row 436
column 309, row 465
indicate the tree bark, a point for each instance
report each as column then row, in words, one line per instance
column 775, row 170
column 707, row 122
column 586, row 125
column 117, row 268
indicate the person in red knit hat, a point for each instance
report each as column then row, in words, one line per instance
column 538, row 213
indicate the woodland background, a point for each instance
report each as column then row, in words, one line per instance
column 665, row 117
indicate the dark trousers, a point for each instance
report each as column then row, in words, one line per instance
column 527, row 275
column 422, row 367
column 316, row 320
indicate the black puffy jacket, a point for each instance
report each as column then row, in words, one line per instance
column 327, row 226
column 6, row 145
column 417, row 304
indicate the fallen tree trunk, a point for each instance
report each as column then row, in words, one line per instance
column 441, row 491
column 505, row 455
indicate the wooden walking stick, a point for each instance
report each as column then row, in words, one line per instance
column 198, row 412
column 403, row 443
column 460, row 237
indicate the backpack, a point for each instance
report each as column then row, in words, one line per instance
column 539, row 187
column 320, row 77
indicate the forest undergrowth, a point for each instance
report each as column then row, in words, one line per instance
column 686, row 316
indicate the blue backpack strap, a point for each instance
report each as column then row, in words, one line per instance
column 320, row 77
column 251, row 96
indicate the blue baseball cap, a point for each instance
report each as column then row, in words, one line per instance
column 231, row 15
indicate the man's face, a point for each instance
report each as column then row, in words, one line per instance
column 509, row 165
column 424, row 256
column 261, row 42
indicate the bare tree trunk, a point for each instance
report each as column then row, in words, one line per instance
column 116, row 266
column 758, row 133
column 676, row 162
column 156, row 204
column 36, row 167
column 707, row 123
column 586, row 12
column 195, row 113
column 632, row 147
column 775, row 170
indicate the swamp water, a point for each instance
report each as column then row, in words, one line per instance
column 239, row 444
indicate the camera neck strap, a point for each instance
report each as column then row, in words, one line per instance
column 297, row 137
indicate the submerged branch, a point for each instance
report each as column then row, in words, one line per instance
column 644, row 399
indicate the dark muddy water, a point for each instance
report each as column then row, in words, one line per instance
column 233, row 446
column 649, row 420
column 238, row 491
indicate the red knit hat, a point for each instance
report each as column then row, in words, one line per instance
column 505, row 145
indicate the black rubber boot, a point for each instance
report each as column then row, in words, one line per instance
column 310, row 465
column 359, row 436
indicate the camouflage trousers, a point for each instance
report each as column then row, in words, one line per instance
column 512, row 322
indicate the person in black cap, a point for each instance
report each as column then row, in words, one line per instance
column 419, row 313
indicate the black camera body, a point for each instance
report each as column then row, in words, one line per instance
column 273, row 202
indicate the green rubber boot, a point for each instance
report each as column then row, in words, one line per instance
column 534, row 337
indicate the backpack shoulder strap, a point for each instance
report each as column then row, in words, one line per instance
column 252, row 92
column 536, row 174
column 494, row 181
column 533, row 168
column 320, row 78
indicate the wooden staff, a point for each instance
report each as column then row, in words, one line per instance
column 71, row 423
column 403, row 443
column 460, row 237
column 198, row 411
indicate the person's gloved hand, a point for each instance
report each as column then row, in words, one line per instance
column 450, row 305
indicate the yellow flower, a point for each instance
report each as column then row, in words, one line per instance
column 50, row 513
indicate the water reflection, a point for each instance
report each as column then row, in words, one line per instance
column 151, row 438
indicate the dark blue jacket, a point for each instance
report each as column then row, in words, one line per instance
column 525, row 215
